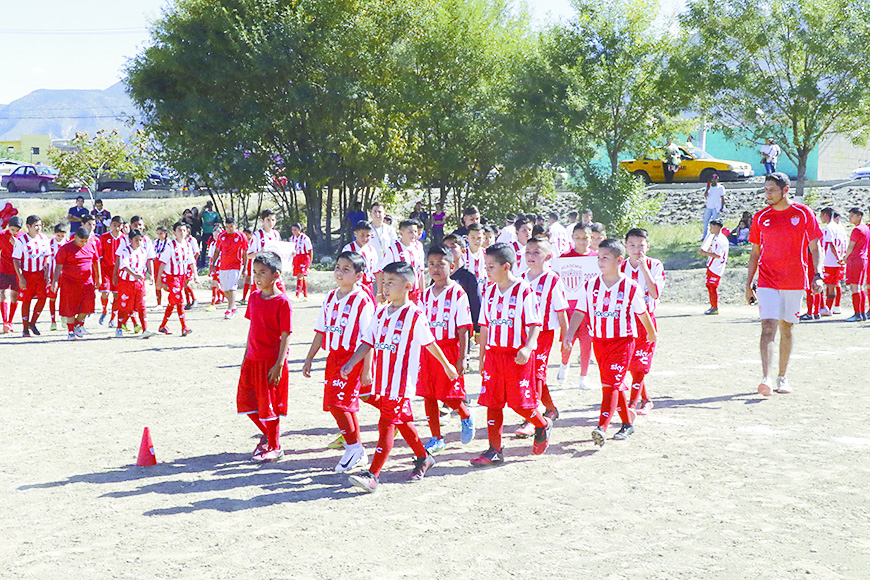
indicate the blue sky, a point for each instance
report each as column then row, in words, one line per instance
column 84, row 44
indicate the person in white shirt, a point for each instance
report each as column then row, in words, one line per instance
column 508, row 234
column 834, row 243
column 383, row 234
column 717, row 254
column 769, row 153
column 559, row 237
column 715, row 196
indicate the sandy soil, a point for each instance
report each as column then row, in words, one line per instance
column 715, row 483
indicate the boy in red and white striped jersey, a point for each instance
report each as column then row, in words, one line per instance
column 177, row 263
column 397, row 334
column 523, row 227
column 303, row 253
column 132, row 268
column 109, row 244
column 474, row 256
column 614, row 304
column 449, row 316
column 344, row 315
column 717, row 256
column 30, row 256
column 510, row 322
column 582, row 239
column 554, row 306
column 214, row 265
column 406, row 249
column 649, row 274
column 362, row 233
column 195, row 249
column 159, row 246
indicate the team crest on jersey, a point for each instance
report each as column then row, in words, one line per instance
column 399, row 325
column 513, row 301
column 607, row 301
column 620, row 296
column 447, row 303
column 446, row 316
column 346, row 308
column 795, row 221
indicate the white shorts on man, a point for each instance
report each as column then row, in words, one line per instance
column 782, row 305
column 229, row 279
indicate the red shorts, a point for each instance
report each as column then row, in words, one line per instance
column 175, row 289
column 341, row 393
column 504, row 382
column 542, row 354
column 257, row 395
column 36, row 286
column 614, row 357
column 832, row 275
column 131, row 295
column 301, row 263
column 856, row 273
column 584, row 330
column 713, row 279
column 76, row 297
column 395, row 412
column 435, row 383
column 641, row 359
column 8, row 281
column 106, row 284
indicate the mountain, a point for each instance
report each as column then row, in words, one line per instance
column 61, row 113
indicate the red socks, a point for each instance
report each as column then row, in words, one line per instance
column 856, row 302
column 638, row 388
column 433, row 416
column 245, row 291
column 545, row 397
column 494, row 424
column 611, row 401
column 386, row 439
column 713, row 293
column 267, row 428
column 347, row 426
column 52, row 309
column 104, row 300
column 838, row 295
column 4, row 310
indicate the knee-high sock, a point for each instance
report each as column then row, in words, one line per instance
column 305, row 287
column 412, row 438
column 213, row 295
column 181, row 316
column 25, row 312
column 433, row 416
column 713, row 293
column 856, row 302
column 256, row 419
column 345, row 422
column 458, row 406
column 104, row 299
column 533, row 416
column 609, row 402
column 4, row 309
column 123, row 315
column 386, row 439
column 142, row 320
column 494, row 424
column 638, row 387
column 272, row 433
column 545, row 397
column 829, row 301
column 167, row 314
column 838, row 295
column 71, row 326
column 13, row 306
column 52, row 308
column 115, row 304
column 37, row 310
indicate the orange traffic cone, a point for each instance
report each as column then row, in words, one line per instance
column 146, row 450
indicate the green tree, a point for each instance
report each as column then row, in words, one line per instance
column 794, row 70
column 105, row 153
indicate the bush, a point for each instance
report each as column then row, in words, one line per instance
column 619, row 201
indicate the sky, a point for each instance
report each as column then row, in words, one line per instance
column 85, row 44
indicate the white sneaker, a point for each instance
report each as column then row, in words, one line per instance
column 562, row 375
column 782, row 386
column 353, row 455
column 824, row 311
column 119, row 333
column 147, row 334
column 765, row 387
column 79, row 331
column 582, row 384
column 836, row 310
column 72, row 336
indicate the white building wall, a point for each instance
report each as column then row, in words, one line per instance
column 838, row 157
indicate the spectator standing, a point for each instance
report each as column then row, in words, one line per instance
column 671, row 164
column 102, row 218
column 209, row 218
column 769, row 153
column 439, row 218
column 353, row 217
column 559, row 237
column 470, row 215
column 587, row 218
column 383, row 234
column 715, row 202
column 75, row 215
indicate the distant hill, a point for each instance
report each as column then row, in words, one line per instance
column 61, row 113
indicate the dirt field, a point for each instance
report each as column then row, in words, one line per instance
column 715, row 483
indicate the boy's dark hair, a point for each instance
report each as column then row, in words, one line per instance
column 637, row 233
column 554, row 215
column 59, row 228
column 440, row 250
column 502, row 253
column 402, row 269
column 470, row 210
column 491, row 229
column 134, row 233
column 247, row 231
column 828, row 211
column 176, row 225
column 358, row 262
column 521, row 221
column 453, row 238
column 597, row 227
column 269, row 259
column 83, row 233
column 406, row 223
column 837, row 215
column 88, row 218
column 266, row 213
column 80, row 198
column 475, row 227
column 614, row 246
column 161, row 229
column 537, row 230
column 541, row 240
column 582, row 226
column 15, row 222
column 854, row 210
column 135, row 218
column 229, row 220
column 32, row 219
column 573, row 215
column 98, row 201
column 362, row 225
column 716, row 223
column 779, row 178
column 375, row 204
column 117, row 220
column 587, row 210
column 296, row 225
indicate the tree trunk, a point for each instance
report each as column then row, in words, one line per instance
column 328, row 241
column 803, row 155
column 613, row 155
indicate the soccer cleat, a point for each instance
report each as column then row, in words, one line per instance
column 712, row 311
column 79, row 330
column 35, row 330
column 269, row 456
column 365, row 481
column 491, row 456
column 102, row 318
column 836, row 310
column 188, row 306
column 542, row 437
column 598, row 436
column 434, row 445
column 824, row 311
column 764, row 388
column 26, row 332
column 562, row 375
column 624, row 433
column 137, row 328
column 112, row 323
column 524, row 431
column 119, row 333
column 228, row 314
column 71, row 336
column 53, row 326
column 782, row 386
column 242, row 302
column 552, row 414
column 582, row 384
column 816, row 316
column 645, row 407
column 186, row 331
column 210, row 308
column 163, row 330
column 467, row 430
column 261, row 447
column 805, row 317
column 147, row 334
column 7, row 328
column 337, row 443
column 421, row 466
column 353, row 456
column 854, row 318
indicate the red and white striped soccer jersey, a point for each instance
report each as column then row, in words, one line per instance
column 397, row 340
column 342, row 320
column 551, row 297
column 159, row 246
column 261, row 239
column 476, row 264
column 55, row 246
column 613, row 310
column 834, row 242
column 177, row 257
column 146, row 243
column 136, row 260
column 194, row 245
column 398, row 252
column 448, row 311
column 34, row 252
column 507, row 314
column 301, row 244
column 657, row 271
column 719, row 246
column 370, row 255
column 520, row 252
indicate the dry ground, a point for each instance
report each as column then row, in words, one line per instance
column 715, row 483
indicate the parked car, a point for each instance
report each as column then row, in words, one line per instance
column 156, row 179
column 696, row 165
column 7, row 166
column 861, row 173
column 29, row 177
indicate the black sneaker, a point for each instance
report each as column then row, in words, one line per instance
column 26, row 332
column 624, row 433
column 805, row 317
column 421, row 466
column 35, row 330
column 491, row 456
column 366, row 481
column 816, row 316
column 712, row 311
column 551, row 414
column 542, row 438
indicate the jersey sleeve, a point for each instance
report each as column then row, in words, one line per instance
column 658, row 276
column 558, row 301
column 123, row 259
column 531, row 310
column 583, row 298
column 18, row 249
column 367, row 336
column 166, row 254
column 481, row 317
column 463, row 311
column 320, row 325
column 366, row 317
column 285, row 316
column 389, row 258
column 814, row 230
column 422, row 333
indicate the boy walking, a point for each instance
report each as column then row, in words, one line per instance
column 582, row 238
column 30, row 257
column 8, row 275
column 303, row 253
column 717, row 256
column 408, row 250
column 77, row 267
column 132, row 268
column 176, row 263
column 229, row 254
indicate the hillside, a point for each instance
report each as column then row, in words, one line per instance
column 61, row 113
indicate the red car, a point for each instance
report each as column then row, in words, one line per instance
column 39, row 178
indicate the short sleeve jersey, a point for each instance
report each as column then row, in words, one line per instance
column 447, row 311
column 34, row 252
column 77, row 263
column 261, row 239
column 397, row 339
column 370, row 256
column 612, row 310
column 550, row 294
column 520, row 265
column 834, row 243
column 507, row 315
column 109, row 245
column 382, row 238
column 476, row 264
column 177, row 257
column 136, row 260
column 559, row 238
column 784, row 237
column 233, row 247
column 861, row 237
column 301, row 244
column 719, row 246
column 656, row 270
column 398, row 252
column 7, row 244
column 269, row 319
column 343, row 319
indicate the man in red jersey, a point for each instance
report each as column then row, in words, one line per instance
column 780, row 236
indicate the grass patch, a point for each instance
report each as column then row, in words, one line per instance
column 676, row 245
